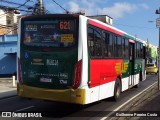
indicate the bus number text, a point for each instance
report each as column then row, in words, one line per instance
column 64, row 25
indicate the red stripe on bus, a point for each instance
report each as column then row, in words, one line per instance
column 105, row 27
column 104, row 71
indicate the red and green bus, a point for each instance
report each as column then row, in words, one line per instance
column 75, row 59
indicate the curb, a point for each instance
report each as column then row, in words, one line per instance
column 141, row 98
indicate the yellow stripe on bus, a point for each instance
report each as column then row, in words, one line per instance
column 67, row 95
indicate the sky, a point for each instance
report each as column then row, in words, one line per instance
column 136, row 17
column 131, row 16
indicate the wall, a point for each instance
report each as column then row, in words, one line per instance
column 8, row 48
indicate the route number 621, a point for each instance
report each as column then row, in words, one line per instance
column 65, row 25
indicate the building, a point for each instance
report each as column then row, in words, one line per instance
column 8, row 22
column 8, row 48
column 8, row 41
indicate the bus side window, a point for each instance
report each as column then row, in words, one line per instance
column 110, row 46
column 106, row 43
column 138, row 50
column 123, row 48
column 119, row 47
column 98, row 43
column 141, row 50
column 115, row 45
column 126, row 48
column 91, row 42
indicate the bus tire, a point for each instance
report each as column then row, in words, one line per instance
column 141, row 77
column 117, row 89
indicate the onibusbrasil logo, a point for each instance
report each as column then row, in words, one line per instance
column 15, row 114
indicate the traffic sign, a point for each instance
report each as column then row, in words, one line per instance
column 158, row 22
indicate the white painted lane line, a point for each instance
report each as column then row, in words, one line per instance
column 127, row 102
column 24, row 108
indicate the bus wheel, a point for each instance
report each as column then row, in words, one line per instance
column 140, row 76
column 117, row 90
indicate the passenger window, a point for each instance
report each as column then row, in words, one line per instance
column 91, row 41
column 106, row 44
column 119, row 47
column 98, row 43
column 126, row 48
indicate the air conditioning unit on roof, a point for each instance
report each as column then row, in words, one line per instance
column 104, row 18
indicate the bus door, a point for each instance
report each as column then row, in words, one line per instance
column 131, row 63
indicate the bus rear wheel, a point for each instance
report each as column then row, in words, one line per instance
column 117, row 90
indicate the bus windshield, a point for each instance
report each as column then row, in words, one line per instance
column 49, row 33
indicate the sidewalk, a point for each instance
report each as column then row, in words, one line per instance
column 150, row 106
column 6, row 88
column 144, row 107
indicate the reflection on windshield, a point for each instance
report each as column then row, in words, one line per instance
column 50, row 33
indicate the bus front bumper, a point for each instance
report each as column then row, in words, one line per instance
column 67, row 95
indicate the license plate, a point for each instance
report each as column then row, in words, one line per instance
column 48, row 80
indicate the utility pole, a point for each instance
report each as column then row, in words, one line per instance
column 158, row 26
column 38, row 8
column 41, row 8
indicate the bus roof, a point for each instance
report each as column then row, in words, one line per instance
column 118, row 30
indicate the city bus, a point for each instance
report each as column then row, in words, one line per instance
column 75, row 59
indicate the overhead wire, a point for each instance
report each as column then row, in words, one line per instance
column 19, row 5
column 9, row 2
column 6, row 8
column 13, row 8
column 23, row 4
column 61, row 6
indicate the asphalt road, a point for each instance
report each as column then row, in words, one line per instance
column 63, row 111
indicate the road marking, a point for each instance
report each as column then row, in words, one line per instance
column 126, row 102
column 24, row 108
